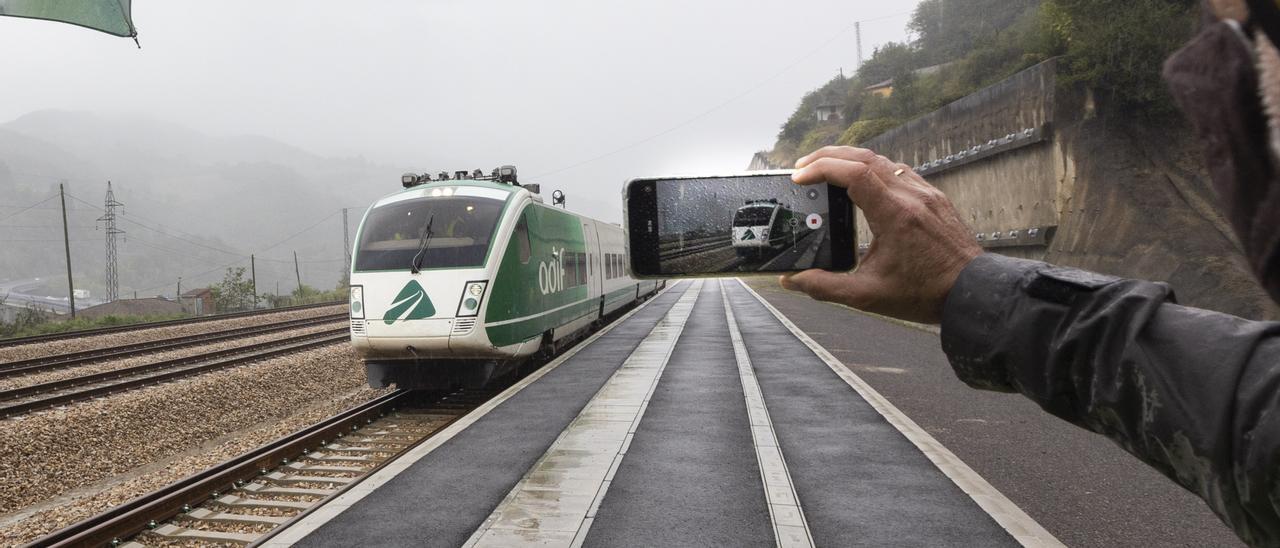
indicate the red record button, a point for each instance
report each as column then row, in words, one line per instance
column 814, row 221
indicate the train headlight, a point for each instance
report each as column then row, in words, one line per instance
column 357, row 302
column 472, row 296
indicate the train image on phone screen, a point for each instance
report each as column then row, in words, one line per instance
column 747, row 224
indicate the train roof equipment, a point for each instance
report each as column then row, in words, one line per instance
column 502, row 174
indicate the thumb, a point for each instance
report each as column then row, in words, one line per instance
column 850, row 289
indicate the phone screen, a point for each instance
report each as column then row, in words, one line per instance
column 741, row 224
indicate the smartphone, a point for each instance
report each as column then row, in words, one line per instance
column 736, row 224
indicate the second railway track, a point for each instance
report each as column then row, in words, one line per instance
column 26, row 399
column 50, row 337
column 48, row 363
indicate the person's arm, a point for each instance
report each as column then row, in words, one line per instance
column 1193, row 393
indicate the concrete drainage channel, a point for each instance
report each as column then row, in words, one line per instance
column 245, row 500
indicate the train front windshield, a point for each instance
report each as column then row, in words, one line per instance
column 753, row 216
column 461, row 229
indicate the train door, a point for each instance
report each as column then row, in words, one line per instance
column 594, row 277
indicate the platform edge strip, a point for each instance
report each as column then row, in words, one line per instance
column 1022, row 527
column 328, row 511
column 753, row 394
column 683, row 308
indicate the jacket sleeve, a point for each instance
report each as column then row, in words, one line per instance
column 1193, row 393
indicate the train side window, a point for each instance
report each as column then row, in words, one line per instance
column 579, row 269
column 522, row 240
column 608, row 266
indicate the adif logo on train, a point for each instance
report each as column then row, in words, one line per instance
column 413, row 300
column 551, row 274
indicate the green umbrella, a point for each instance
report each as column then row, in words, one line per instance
column 109, row 16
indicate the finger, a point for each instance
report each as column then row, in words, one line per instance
column 849, row 289
column 866, row 190
column 840, row 153
column 881, row 166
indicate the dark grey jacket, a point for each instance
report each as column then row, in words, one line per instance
column 1193, row 393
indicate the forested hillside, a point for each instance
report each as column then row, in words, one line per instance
column 959, row 46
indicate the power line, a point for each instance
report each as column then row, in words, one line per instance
column 723, row 104
column 161, row 232
column 25, row 209
column 230, row 264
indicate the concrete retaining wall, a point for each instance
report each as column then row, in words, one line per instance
column 1116, row 197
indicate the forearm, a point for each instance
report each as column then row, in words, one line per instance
column 1186, row 390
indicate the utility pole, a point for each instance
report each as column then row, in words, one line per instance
column 857, row 31
column 113, row 276
column 297, row 273
column 66, row 241
column 346, row 244
column 179, row 296
column 253, row 279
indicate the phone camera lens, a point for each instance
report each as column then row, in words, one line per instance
column 813, row 194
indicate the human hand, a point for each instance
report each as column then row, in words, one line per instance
column 920, row 244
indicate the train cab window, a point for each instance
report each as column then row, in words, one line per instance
column 522, row 240
column 449, row 231
column 753, row 216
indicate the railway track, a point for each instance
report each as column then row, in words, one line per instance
column 26, row 399
column 246, row 499
column 72, row 359
column 5, row 343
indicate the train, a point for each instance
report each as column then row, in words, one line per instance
column 764, row 225
column 458, row 280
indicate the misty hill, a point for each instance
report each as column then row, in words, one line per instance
column 193, row 202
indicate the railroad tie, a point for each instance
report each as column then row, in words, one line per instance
column 182, row 533
column 275, row 490
column 243, row 502
column 325, row 457
column 287, row 479
column 205, row 514
column 325, row 468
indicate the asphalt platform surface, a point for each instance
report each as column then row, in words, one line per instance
column 1078, row 485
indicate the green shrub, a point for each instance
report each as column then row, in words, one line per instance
column 864, row 130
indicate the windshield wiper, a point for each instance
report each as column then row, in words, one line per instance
column 416, row 265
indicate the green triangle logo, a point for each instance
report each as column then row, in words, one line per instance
column 412, row 299
column 748, row 235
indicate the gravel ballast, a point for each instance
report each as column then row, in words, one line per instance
column 112, row 365
column 53, row 348
column 186, row 425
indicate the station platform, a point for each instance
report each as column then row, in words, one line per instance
column 702, row 418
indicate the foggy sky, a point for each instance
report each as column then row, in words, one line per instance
column 449, row 85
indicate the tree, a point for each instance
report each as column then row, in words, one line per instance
column 234, row 293
column 888, row 61
column 1118, row 48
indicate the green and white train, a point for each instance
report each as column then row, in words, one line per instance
column 457, row 280
column 765, row 225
